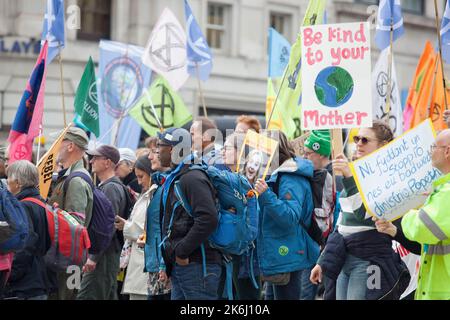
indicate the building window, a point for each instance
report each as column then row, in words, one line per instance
column 367, row 1
column 218, row 26
column 95, row 19
column 409, row 6
column 413, row 6
column 282, row 23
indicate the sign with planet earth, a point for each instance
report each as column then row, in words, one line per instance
column 336, row 76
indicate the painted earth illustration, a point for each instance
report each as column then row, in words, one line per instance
column 333, row 86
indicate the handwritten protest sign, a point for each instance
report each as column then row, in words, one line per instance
column 261, row 151
column 393, row 179
column 336, row 76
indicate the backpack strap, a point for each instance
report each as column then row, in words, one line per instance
column 55, row 216
column 79, row 174
column 36, row 201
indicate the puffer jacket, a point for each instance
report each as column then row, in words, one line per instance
column 283, row 244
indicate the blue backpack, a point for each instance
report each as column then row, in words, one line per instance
column 237, row 208
column 15, row 225
column 101, row 227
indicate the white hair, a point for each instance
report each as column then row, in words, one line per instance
column 24, row 172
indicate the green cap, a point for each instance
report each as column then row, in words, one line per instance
column 319, row 141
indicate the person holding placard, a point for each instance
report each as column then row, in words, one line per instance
column 429, row 225
column 357, row 257
column 285, row 250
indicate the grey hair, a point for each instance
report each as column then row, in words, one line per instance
column 24, row 172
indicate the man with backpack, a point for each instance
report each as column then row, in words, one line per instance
column 75, row 195
column 193, row 265
column 100, row 271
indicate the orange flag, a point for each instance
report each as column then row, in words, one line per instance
column 416, row 86
column 423, row 90
column 437, row 106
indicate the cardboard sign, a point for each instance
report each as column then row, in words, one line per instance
column 336, row 76
column 395, row 178
column 257, row 161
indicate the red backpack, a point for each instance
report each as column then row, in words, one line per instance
column 70, row 239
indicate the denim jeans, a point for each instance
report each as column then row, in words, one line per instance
column 189, row 283
column 308, row 289
column 352, row 281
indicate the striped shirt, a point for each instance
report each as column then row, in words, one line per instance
column 353, row 217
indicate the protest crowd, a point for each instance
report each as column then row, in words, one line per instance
column 260, row 214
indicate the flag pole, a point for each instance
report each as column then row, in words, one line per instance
column 276, row 98
column 149, row 98
column 202, row 97
column 62, row 84
column 389, row 84
column 433, row 84
column 440, row 53
column 39, row 144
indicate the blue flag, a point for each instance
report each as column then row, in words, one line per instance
column 198, row 52
column 122, row 77
column 389, row 11
column 445, row 34
column 53, row 29
column 279, row 51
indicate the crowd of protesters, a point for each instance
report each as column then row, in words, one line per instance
column 160, row 250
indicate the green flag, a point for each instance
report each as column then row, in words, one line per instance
column 169, row 107
column 86, row 107
column 291, row 90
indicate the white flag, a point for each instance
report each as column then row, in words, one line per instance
column 166, row 50
column 379, row 93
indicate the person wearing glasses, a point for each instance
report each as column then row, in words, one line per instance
column 430, row 226
column 76, row 197
column 356, row 250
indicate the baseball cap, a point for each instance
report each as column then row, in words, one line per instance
column 127, row 154
column 106, row 151
column 174, row 136
column 78, row 136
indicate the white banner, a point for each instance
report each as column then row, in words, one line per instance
column 336, row 69
column 166, row 50
column 379, row 93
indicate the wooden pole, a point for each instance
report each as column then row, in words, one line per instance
column 440, row 53
column 62, row 85
column 389, row 84
column 433, row 84
column 39, row 144
column 202, row 97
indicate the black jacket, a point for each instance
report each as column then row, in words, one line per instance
column 131, row 181
column 374, row 247
column 188, row 233
column 29, row 275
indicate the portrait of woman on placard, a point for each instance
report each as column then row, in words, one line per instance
column 254, row 165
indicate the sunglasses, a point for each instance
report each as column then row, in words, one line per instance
column 364, row 140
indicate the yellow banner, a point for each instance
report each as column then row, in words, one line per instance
column 47, row 164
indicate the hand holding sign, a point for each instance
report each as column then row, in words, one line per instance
column 341, row 164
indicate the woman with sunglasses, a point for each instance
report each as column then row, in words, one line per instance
column 356, row 250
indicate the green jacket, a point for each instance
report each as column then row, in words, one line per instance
column 430, row 226
column 79, row 196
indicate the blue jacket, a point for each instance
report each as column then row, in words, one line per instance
column 283, row 244
column 152, row 250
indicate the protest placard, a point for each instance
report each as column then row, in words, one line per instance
column 395, row 178
column 47, row 164
column 336, row 76
column 256, row 154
